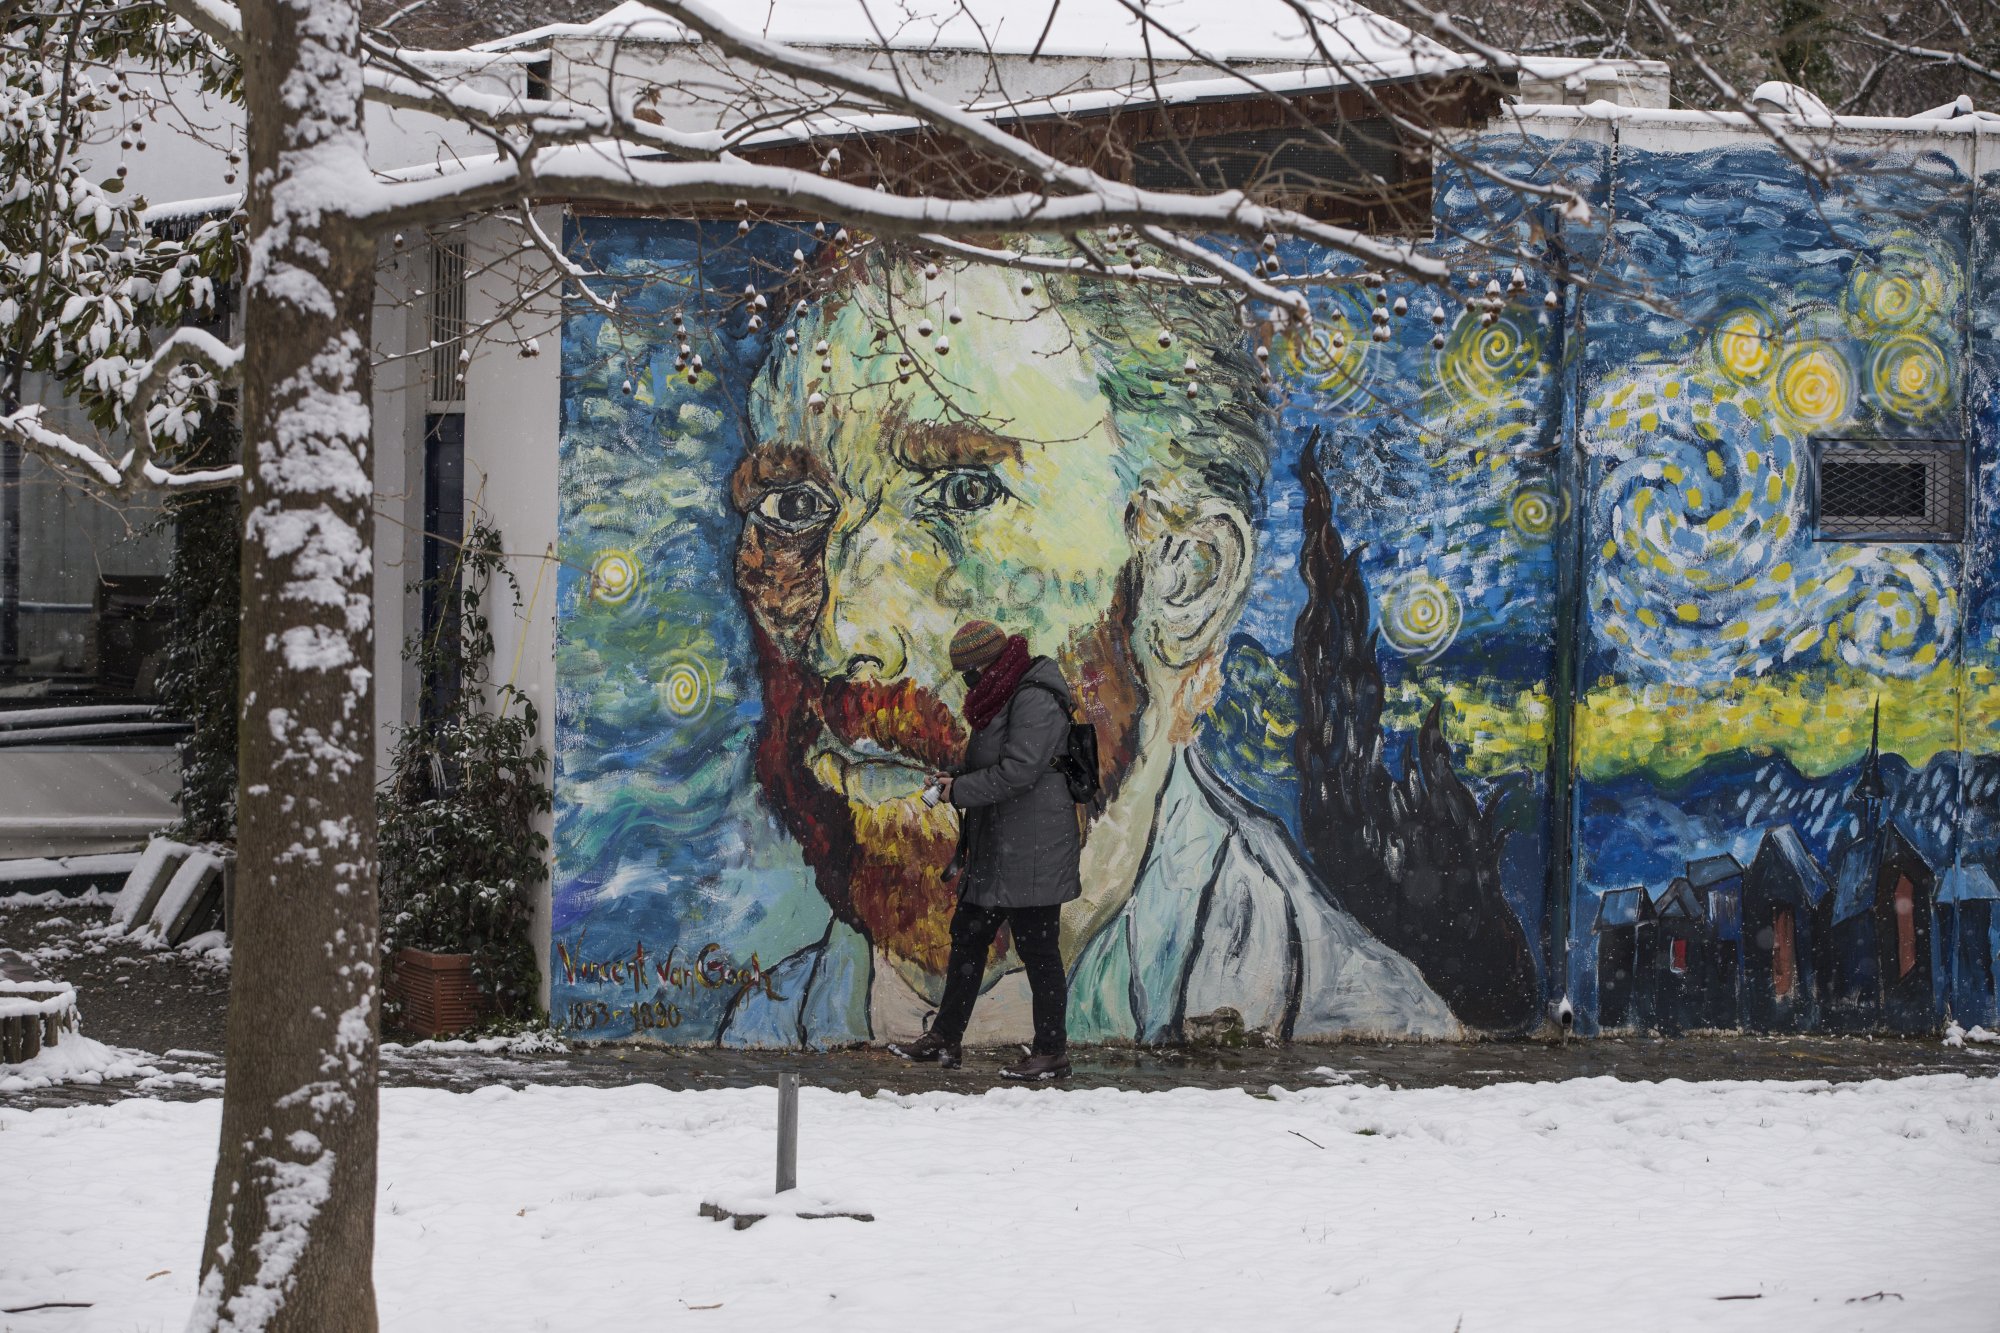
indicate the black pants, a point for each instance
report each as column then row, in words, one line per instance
column 972, row 932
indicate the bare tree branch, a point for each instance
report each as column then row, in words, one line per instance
column 1812, row 163
column 1954, row 59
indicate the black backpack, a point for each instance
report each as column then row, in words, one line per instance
column 1077, row 759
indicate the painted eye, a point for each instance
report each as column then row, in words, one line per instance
column 794, row 509
column 967, row 492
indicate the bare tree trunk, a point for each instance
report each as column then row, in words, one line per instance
column 291, row 1225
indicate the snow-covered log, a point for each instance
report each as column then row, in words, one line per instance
column 34, row 1014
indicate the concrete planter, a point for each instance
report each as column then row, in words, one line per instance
column 437, row 992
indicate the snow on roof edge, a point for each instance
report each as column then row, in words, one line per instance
column 1106, row 100
column 1602, row 111
column 1555, row 67
column 636, row 21
column 631, row 21
column 175, row 210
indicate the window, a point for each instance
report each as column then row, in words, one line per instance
column 1889, row 491
column 1784, row 953
column 444, row 532
column 1677, row 957
column 1906, row 926
column 447, row 298
column 79, row 575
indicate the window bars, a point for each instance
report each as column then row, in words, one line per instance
column 1889, row 490
column 447, row 295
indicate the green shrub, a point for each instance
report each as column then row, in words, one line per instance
column 461, row 857
column 202, row 605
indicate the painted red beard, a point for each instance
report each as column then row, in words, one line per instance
column 876, row 865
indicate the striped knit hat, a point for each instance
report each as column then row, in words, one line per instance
column 976, row 644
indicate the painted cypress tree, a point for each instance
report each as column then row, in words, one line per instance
column 1414, row 858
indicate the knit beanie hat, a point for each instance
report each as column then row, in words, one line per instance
column 976, row 644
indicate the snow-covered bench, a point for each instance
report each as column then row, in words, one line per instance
column 173, row 892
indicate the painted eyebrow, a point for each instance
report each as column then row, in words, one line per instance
column 768, row 467
column 937, row 446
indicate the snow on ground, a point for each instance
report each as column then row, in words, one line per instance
column 10, row 902
column 75, row 1058
column 535, row 1042
column 1587, row 1205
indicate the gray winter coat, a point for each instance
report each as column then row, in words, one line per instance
column 1021, row 843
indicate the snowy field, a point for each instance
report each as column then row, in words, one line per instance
column 1590, row 1205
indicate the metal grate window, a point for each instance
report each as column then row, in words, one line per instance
column 1889, row 491
column 447, row 295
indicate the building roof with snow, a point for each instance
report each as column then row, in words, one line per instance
column 1784, row 869
column 1856, row 868
column 1677, row 902
column 1617, row 908
column 1228, row 30
column 1967, row 884
column 1710, row 871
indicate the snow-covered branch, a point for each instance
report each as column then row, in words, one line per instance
column 515, row 124
column 26, row 426
column 1235, row 275
column 614, row 172
column 182, row 347
column 85, row 282
column 542, row 242
column 217, row 20
column 1071, row 265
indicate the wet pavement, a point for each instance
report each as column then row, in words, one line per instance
column 173, row 1004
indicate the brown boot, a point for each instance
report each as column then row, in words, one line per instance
column 1039, row 1068
column 928, row 1049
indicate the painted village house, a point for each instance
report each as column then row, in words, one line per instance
column 1628, row 637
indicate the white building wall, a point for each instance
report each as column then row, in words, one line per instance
column 510, row 402
column 511, row 429
column 399, row 402
column 189, row 133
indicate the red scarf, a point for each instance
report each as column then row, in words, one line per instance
column 984, row 701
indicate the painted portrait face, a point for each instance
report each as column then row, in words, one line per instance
column 887, row 501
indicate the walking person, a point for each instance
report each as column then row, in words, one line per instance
column 1019, row 844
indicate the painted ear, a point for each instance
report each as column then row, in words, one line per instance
column 1196, row 559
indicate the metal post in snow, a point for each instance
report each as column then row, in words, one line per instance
column 788, row 1132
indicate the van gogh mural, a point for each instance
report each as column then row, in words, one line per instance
column 1319, row 589
column 1785, row 736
